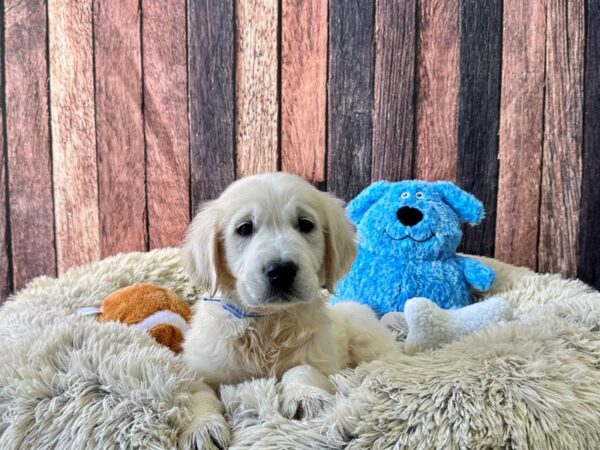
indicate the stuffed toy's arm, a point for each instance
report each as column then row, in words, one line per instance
column 477, row 274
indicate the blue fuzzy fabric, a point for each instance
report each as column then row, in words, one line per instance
column 399, row 259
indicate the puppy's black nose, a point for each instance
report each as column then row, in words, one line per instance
column 281, row 274
column 409, row 216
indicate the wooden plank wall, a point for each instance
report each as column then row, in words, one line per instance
column 119, row 117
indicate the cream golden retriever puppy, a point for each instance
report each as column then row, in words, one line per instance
column 264, row 249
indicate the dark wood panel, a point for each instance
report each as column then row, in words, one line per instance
column 211, row 98
column 350, row 96
column 73, row 132
column 521, row 117
column 394, row 113
column 589, row 237
column 479, row 114
column 303, row 88
column 166, row 121
column 5, row 263
column 438, row 79
column 28, row 143
column 256, row 90
column 119, row 127
column 561, row 161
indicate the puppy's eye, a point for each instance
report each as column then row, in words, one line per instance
column 245, row 229
column 419, row 195
column 404, row 195
column 305, row 225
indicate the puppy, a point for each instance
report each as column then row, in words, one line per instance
column 264, row 249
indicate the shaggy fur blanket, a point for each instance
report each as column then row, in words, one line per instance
column 68, row 382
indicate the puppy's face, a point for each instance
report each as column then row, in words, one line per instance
column 272, row 239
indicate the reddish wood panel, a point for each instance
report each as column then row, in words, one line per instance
column 28, row 143
column 563, row 128
column 394, row 113
column 119, row 127
column 211, row 97
column 5, row 259
column 350, row 96
column 438, row 80
column 256, row 86
column 303, row 88
column 589, row 238
column 521, row 116
column 166, row 121
column 73, row 132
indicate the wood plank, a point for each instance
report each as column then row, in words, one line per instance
column 350, row 97
column 256, row 75
column 211, row 101
column 479, row 115
column 5, row 263
column 119, row 127
column 28, row 141
column 521, row 115
column 166, row 121
column 74, row 166
column 589, row 238
column 303, row 88
column 561, row 161
column 394, row 113
column 437, row 68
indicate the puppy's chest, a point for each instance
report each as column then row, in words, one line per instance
column 265, row 350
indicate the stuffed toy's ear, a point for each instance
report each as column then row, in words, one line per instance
column 468, row 207
column 368, row 197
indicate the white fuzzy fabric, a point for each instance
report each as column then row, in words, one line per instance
column 69, row 382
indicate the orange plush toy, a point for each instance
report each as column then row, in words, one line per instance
column 164, row 314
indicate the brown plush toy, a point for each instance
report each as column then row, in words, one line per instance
column 163, row 313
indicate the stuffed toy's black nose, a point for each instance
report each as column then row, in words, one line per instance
column 409, row 216
column 281, row 274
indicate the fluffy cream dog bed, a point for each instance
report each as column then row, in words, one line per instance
column 68, row 382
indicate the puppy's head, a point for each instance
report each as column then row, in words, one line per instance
column 270, row 239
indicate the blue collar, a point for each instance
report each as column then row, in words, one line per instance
column 235, row 310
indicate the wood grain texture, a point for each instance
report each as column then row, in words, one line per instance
column 5, row 254
column 256, row 86
column 589, row 237
column 438, row 80
column 303, row 88
column 394, row 112
column 29, row 157
column 521, row 116
column 119, row 127
column 479, row 115
column 166, row 121
column 211, row 97
column 563, row 115
column 350, row 97
column 74, row 166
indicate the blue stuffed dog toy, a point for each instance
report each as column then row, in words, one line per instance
column 408, row 235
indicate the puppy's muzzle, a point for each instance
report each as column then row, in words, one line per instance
column 281, row 275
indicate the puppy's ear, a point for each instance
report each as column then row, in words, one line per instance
column 468, row 208
column 367, row 198
column 201, row 248
column 340, row 240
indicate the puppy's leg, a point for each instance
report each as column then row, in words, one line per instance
column 306, row 392
column 367, row 337
column 208, row 428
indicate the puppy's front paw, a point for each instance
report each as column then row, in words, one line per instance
column 306, row 403
column 206, row 433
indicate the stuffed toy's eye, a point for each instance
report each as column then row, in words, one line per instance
column 305, row 225
column 245, row 229
column 419, row 195
column 404, row 195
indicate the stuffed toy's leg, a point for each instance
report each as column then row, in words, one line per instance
column 427, row 326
